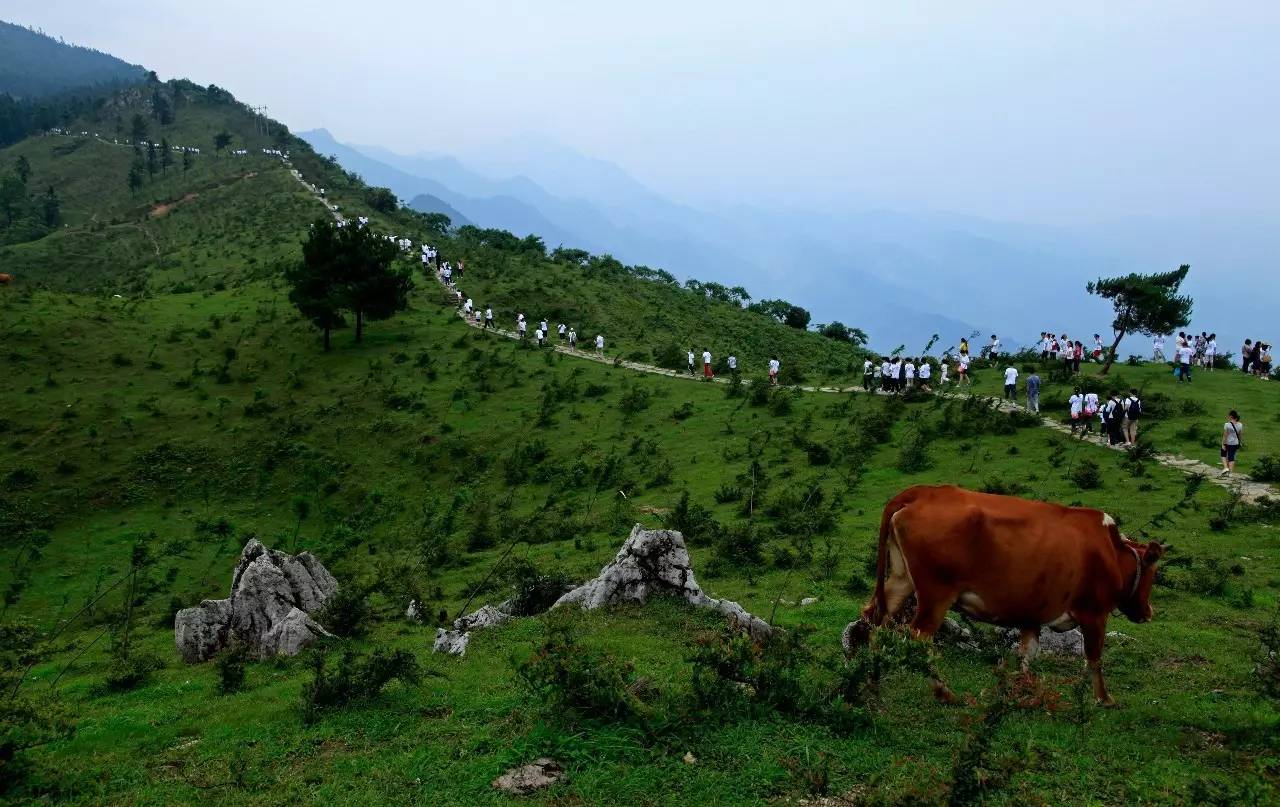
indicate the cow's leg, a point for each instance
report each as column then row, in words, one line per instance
column 1094, row 634
column 898, row 586
column 1028, row 647
column 931, row 609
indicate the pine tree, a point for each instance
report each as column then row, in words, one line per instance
column 1148, row 304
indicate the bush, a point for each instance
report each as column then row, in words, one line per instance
column 577, row 683
column 1266, row 673
column 131, row 669
column 356, row 678
column 1086, row 475
column 1266, row 469
column 347, row 612
column 740, row 546
column 691, row 520
column 533, row 591
column 914, row 455
column 230, row 665
column 683, row 412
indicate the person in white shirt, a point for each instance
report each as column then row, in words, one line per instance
column 521, row 325
column 732, row 361
column 539, row 335
column 775, row 367
column 573, row 339
column 488, row 318
column 1076, row 402
column 689, row 361
column 868, row 371
column 1157, row 345
column 1011, row 383
column 994, row 350
column 962, row 370
column 1211, row 351
column 543, row 325
column 910, row 374
column 945, row 365
column 895, row 374
column 1131, row 412
column 466, row 307
column 924, row 371
column 1097, row 347
column 600, row 345
column 886, row 374
column 1185, row 353
column 560, row 330
column 706, row 364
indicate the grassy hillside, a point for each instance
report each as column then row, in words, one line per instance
column 147, row 437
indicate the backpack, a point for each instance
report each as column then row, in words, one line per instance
column 1135, row 408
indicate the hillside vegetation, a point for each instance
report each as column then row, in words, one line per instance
column 33, row 64
column 148, row 436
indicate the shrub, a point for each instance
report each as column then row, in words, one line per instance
column 780, row 403
column 129, row 669
column 21, row 478
column 347, row 612
column 1086, row 475
column 683, row 412
column 356, row 678
column 635, row 399
column 578, row 683
column 740, row 545
column 230, row 665
column 914, row 455
column 1266, row 469
column 1266, row 673
column 728, row 493
column 533, row 590
column 691, row 520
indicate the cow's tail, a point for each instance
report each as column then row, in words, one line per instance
column 879, row 610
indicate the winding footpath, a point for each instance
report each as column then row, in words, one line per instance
column 1238, row 484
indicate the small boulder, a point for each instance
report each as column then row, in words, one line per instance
column 453, row 642
column 808, row 601
column 537, row 775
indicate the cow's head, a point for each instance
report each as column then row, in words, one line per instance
column 1135, row 601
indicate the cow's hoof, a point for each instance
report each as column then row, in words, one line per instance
column 1107, row 703
column 856, row 634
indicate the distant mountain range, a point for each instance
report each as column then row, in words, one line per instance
column 900, row 276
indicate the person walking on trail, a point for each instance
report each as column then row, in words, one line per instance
column 924, row 371
column 1091, row 410
column 1184, row 363
column 689, row 361
column 1246, row 355
column 560, row 330
column 467, row 306
column 1157, row 348
column 775, row 367
column 868, row 371
column 993, row 350
column 539, row 335
column 546, row 329
column 962, row 370
column 1011, row 383
column 521, row 326
column 600, row 345
column 1097, row 347
column 1076, row 404
column 964, row 346
column 488, row 318
column 732, row 361
column 909, row 373
column 1211, row 352
column 1033, row 391
column 573, row 339
column 946, row 368
column 1231, row 442
column 1132, row 413
column 1113, row 417
column 706, row 365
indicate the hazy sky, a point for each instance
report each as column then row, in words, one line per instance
column 1059, row 113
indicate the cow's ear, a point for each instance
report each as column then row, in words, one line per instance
column 1155, row 551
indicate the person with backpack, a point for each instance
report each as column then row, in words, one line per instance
column 1132, row 412
column 1113, row 419
column 1230, row 442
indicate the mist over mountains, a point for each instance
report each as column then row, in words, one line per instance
column 901, row 276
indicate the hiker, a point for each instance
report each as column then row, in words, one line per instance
column 1033, row 390
column 1246, row 355
column 1091, row 410
column 706, row 364
column 1230, row 442
column 1255, row 358
column 1113, row 417
column 909, row 372
column 964, row 347
column 1011, row 383
column 538, row 336
column 1097, row 347
column 1132, row 406
column 1044, row 343
column 1157, row 344
column 690, row 361
column 775, row 367
column 573, row 339
column 1076, row 405
column 521, row 326
column 1077, row 356
column 544, row 327
column 962, row 370
column 600, row 345
column 732, row 361
column 1211, row 351
column 924, row 371
column 488, row 318
column 946, row 367
column 868, row 371
column 467, row 306
column 1264, row 361
column 560, row 331
column 1184, row 362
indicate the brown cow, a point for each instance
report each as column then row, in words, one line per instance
column 5, row 279
column 1010, row 562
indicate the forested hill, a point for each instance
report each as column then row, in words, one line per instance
column 33, row 64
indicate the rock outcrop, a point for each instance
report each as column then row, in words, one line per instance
column 454, row 642
column 272, row 596
column 526, row 779
column 656, row 563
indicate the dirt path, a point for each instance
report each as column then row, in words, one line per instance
column 1246, row 488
